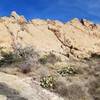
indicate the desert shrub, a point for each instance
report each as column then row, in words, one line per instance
column 9, row 58
column 43, row 60
column 47, row 82
column 49, row 58
column 22, row 57
column 26, row 53
column 69, row 70
column 29, row 57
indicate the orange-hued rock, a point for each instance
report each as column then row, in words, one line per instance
column 77, row 38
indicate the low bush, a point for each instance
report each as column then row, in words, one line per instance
column 47, row 82
column 28, row 58
column 69, row 70
column 49, row 58
column 22, row 57
column 9, row 58
column 43, row 60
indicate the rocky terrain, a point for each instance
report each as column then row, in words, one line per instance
column 49, row 59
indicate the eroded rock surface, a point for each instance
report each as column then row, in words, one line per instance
column 78, row 38
column 76, row 43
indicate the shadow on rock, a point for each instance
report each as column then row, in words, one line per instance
column 71, row 92
column 10, row 93
column 94, row 89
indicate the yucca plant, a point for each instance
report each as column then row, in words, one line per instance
column 47, row 82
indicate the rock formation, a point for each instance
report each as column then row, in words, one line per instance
column 77, row 42
column 79, row 38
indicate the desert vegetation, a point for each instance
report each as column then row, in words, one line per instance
column 49, row 58
column 21, row 57
column 63, row 65
column 9, row 58
column 47, row 82
column 68, row 70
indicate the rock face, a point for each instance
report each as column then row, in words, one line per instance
column 77, row 38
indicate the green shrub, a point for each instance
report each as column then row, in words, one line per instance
column 49, row 58
column 47, row 82
column 9, row 58
column 67, row 71
column 43, row 60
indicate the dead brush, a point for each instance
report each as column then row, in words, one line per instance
column 24, row 57
column 29, row 58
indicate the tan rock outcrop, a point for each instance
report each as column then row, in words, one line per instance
column 79, row 38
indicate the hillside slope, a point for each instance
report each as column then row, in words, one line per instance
column 49, row 59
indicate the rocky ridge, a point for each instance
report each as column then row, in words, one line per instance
column 77, row 38
column 75, row 43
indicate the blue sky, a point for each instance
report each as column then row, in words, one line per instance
column 62, row 10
